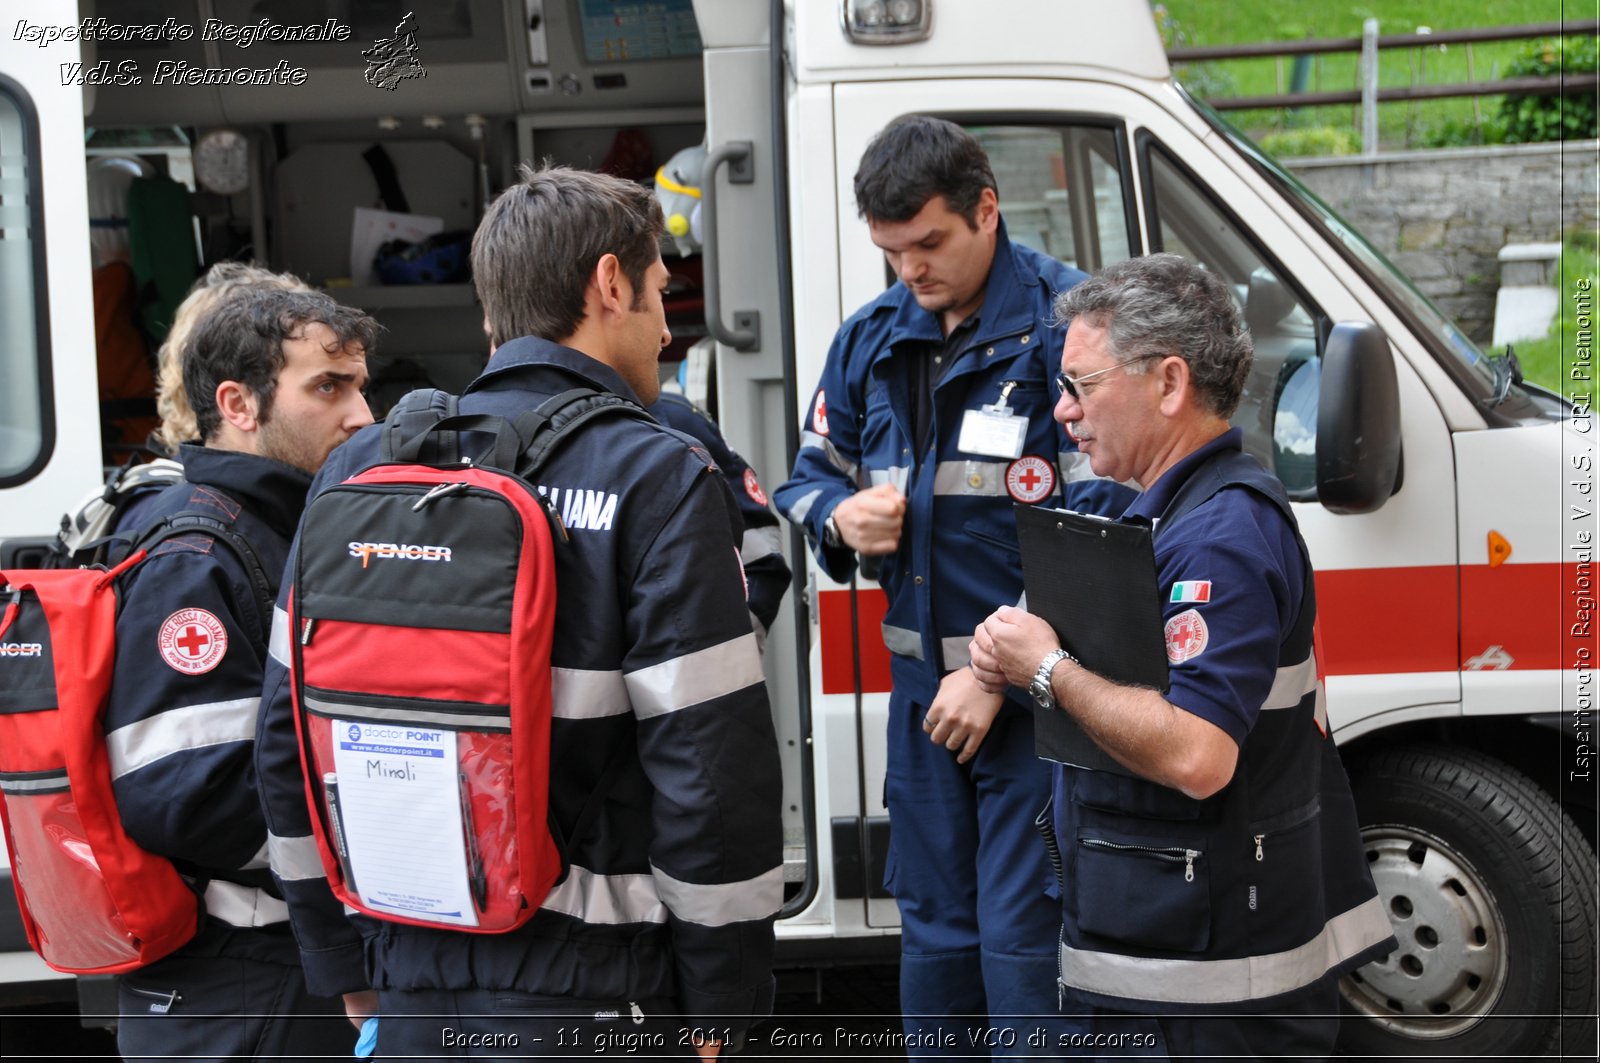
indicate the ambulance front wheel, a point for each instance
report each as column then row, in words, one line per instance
column 1491, row 890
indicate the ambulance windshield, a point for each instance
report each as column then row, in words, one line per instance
column 1485, row 376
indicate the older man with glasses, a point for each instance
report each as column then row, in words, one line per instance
column 1223, row 876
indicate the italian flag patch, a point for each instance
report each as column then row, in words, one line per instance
column 1194, row 590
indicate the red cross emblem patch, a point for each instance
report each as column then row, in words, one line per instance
column 819, row 413
column 192, row 641
column 1030, row 479
column 1187, row 636
column 752, row 487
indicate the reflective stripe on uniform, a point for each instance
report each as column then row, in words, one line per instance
column 294, row 859
column 898, row 475
column 239, row 905
column 1074, row 465
column 588, row 694
column 278, row 646
column 606, row 899
column 759, row 543
column 799, row 511
column 141, row 744
column 695, row 678
column 724, row 903
column 902, row 640
column 982, row 478
column 1228, row 981
column 837, row 460
column 957, row 651
column 1291, row 685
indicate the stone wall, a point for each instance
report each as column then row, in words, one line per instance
column 1443, row 215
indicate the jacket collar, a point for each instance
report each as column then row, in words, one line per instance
column 514, row 358
column 273, row 492
column 1004, row 310
column 1152, row 503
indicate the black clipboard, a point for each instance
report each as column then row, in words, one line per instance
column 1094, row 581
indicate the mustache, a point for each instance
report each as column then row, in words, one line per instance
column 1074, row 429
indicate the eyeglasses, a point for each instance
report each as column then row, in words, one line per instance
column 1070, row 384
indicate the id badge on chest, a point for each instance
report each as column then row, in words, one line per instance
column 993, row 430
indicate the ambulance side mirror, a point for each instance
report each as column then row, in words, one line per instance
column 1358, row 420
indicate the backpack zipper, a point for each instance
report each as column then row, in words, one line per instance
column 438, row 492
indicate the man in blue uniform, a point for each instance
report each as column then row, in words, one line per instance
column 931, row 418
column 275, row 379
column 1225, row 875
column 766, row 573
column 661, row 933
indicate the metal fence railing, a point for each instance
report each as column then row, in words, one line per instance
column 1369, row 94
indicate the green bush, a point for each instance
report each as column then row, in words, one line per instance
column 1457, row 133
column 1315, row 140
column 1552, row 116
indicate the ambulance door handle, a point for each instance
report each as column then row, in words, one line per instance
column 745, row 333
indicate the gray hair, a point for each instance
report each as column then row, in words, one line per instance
column 1162, row 305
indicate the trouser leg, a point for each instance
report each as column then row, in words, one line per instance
column 1304, row 1030
column 227, row 1007
column 932, row 874
column 483, row 1023
column 1019, row 911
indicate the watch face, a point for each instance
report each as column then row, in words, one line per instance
column 222, row 162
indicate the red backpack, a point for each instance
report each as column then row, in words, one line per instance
column 423, row 605
column 91, row 900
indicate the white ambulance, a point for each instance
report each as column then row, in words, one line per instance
column 1447, row 503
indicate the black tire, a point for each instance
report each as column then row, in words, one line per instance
column 1492, row 890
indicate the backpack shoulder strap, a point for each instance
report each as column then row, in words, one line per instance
column 408, row 433
column 1224, row 468
column 1235, row 468
column 557, row 418
column 187, row 521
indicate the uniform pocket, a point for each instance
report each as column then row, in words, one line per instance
column 1286, row 881
column 994, row 535
column 1132, row 798
column 1142, row 892
column 1282, row 828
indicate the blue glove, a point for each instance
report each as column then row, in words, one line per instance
column 367, row 1043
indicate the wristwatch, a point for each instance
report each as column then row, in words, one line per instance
column 830, row 533
column 1043, row 695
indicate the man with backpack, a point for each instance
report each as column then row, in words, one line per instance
column 276, row 379
column 664, row 784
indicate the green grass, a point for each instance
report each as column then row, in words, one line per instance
column 1401, row 125
column 1547, row 361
